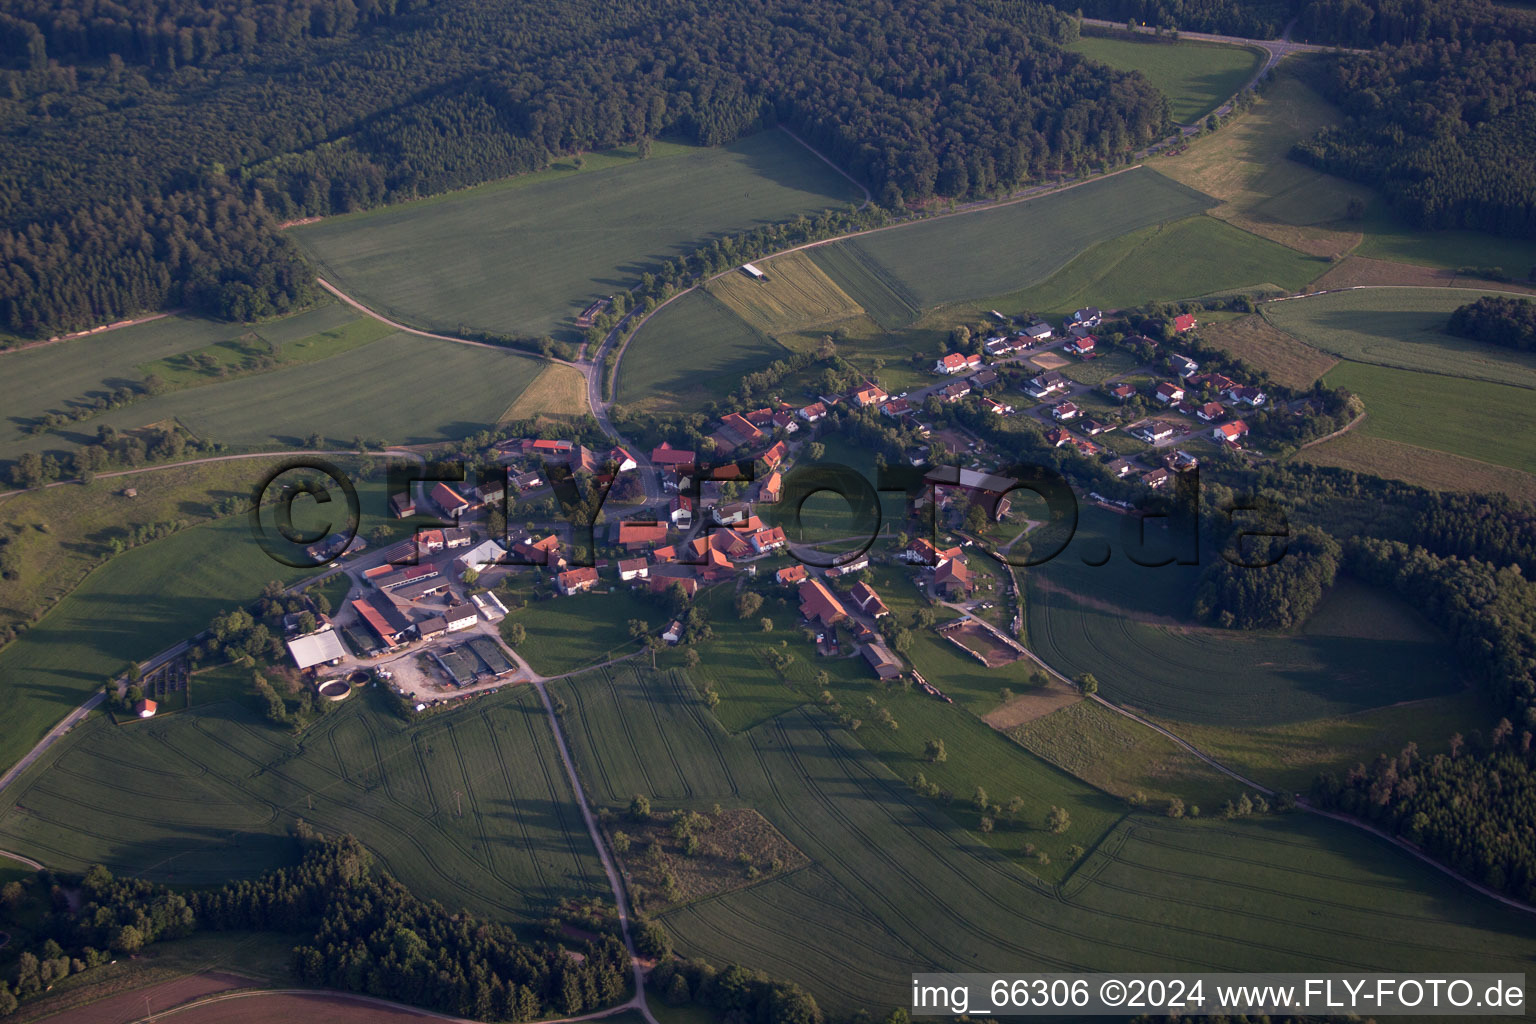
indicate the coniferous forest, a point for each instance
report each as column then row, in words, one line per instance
column 151, row 148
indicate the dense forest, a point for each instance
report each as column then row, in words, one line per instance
column 1498, row 320
column 152, row 149
column 1442, row 124
column 369, row 934
column 1268, row 586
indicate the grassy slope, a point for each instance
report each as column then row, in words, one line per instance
column 1129, row 626
column 1403, row 328
column 1489, row 422
column 215, row 789
column 1187, row 259
column 1439, row 471
column 1286, row 359
column 995, row 251
column 523, row 259
column 1196, row 77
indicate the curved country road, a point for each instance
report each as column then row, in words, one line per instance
column 352, row 997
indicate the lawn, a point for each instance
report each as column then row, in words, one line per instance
column 796, row 295
column 49, row 378
column 470, row 808
column 895, row 881
column 522, row 258
column 1402, row 328
column 1425, row 467
column 1196, row 77
column 1489, row 422
column 403, row 389
column 568, row 633
column 998, row 250
column 1130, row 627
column 1287, row 360
column 1187, row 259
column 693, row 351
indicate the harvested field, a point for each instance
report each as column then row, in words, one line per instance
column 886, row 301
column 301, row 1008
column 1032, row 705
column 1287, row 360
column 1050, row 360
column 558, row 392
column 130, row 1006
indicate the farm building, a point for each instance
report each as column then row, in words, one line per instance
column 868, row 601
column 665, row 455
column 482, row 556
column 402, row 505
column 449, row 500
column 460, row 616
column 662, row 578
column 673, row 633
column 489, row 606
column 818, row 605
column 381, row 616
column 637, row 533
column 952, row 578
column 880, row 658
column 432, row 628
column 406, row 576
column 589, row 315
column 145, row 708
column 753, row 272
column 322, row 647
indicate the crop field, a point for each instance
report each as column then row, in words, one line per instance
column 896, row 883
column 524, row 259
column 1130, row 627
column 1287, row 360
column 884, row 298
column 1247, row 166
column 1196, row 77
column 796, row 295
column 53, row 377
column 472, row 808
column 691, row 352
column 1402, row 328
column 1187, row 259
column 558, row 392
column 242, row 355
column 1002, row 249
column 1472, row 418
column 1439, row 471
column 404, row 389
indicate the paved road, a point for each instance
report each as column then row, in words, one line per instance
column 28, row 861
column 351, row 997
column 70, row 721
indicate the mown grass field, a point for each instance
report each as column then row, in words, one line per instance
column 1247, row 166
column 524, row 258
column 1402, row 328
column 1196, row 77
column 693, row 351
column 1287, row 360
column 1130, row 626
column 567, row 633
column 1187, row 259
column 796, row 295
column 52, row 377
column 1475, row 419
column 241, row 354
column 897, row 883
column 472, row 809
column 403, row 389
column 1425, row 467
column 1002, row 249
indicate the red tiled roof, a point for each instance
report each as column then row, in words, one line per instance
column 641, row 531
column 574, row 577
column 817, row 602
column 666, row 455
column 447, row 497
column 1184, row 322
column 791, row 574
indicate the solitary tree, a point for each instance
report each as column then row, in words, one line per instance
column 934, row 751
column 1058, row 820
column 640, row 807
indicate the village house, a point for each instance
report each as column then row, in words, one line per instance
column 1184, row 322
column 455, row 537
column 1230, row 432
column 682, row 511
column 813, row 412
column 954, row 392
column 868, row 601
column 764, row 541
column 896, row 407
column 1182, row 365
column 1064, row 411
column 460, row 616
column 818, row 605
column 735, row 431
column 1120, row 392
column 1083, row 345
column 1120, row 468
column 146, row 708
column 785, row 421
column 775, row 455
column 1251, row 397
column 527, row 551
column 1153, row 430
column 952, row 579
column 771, row 488
column 791, row 574
column 1088, row 316
column 525, row 482
column 870, row 394
column 431, row 627
column 996, row 408
column 1038, row 331
column 633, row 569
column 731, row 513
column 957, row 362
column 1211, row 411
column 1093, row 427
column 1156, row 478
column 1057, row 436
column 1168, row 393
column 574, row 581
column 1046, row 384
column 983, row 379
column 857, row 564
column 640, row 533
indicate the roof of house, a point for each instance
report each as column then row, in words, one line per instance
column 772, row 485
column 1184, row 321
column 1211, row 410
column 791, row 574
column 316, row 648
column 1167, row 390
column 1058, row 436
column 1232, row 431
column 864, row 596
column 632, row 564
column 381, row 615
column 665, row 455
column 447, row 497
column 817, row 602
column 575, row 577
column 773, row 456
column 764, row 539
column 641, row 531
column 666, row 554
column 953, row 361
column 952, row 570
column 145, row 705
column 814, row 410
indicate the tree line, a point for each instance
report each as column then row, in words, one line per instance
column 1498, row 320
